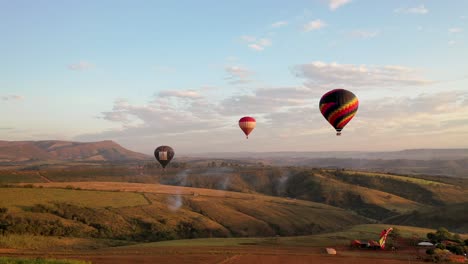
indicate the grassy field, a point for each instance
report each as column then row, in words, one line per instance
column 18, row 197
column 382, row 199
column 8, row 260
column 341, row 238
column 19, row 176
column 400, row 178
column 31, row 242
column 162, row 212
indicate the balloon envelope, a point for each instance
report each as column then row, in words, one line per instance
column 339, row 106
column 247, row 124
column 164, row 155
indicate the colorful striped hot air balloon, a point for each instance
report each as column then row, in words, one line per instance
column 247, row 124
column 339, row 106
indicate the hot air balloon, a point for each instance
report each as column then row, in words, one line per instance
column 164, row 155
column 339, row 106
column 247, row 124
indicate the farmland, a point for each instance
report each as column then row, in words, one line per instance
column 234, row 214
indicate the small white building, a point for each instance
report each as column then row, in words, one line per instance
column 425, row 244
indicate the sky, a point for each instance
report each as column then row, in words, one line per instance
column 182, row 73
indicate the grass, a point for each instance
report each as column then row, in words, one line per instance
column 18, row 177
column 56, row 243
column 9, row 260
column 419, row 181
column 341, row 238
column 20, row 197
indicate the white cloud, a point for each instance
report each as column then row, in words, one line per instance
column 288, row 116
column 279, row 24
column 12, row 97
column 190, row 94
column 349, row 75
column 256, row 47
column 452, row 43
column 364, row 34
column 266, row 100
column 421, row 114
column 257, row 44
column 314, row 25
column 455, row 30
column 238, row 74
column 80, row 66
column 421, row 10
column 335, row 4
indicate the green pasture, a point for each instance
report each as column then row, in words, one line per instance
column 56, row 243
column 419, row 181
column 19, row 197
column 13, row 177
column 341, row 238
column 9, row 260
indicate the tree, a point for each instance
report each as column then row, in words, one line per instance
column 443, row 234
column 432, row 237
column 394, row 237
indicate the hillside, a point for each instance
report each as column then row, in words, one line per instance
column 411, row 154
column 374, row 195
column 17, row 151
column 454, row 217
column 151, row 212
column 448, row 162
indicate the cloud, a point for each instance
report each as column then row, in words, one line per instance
column 418, row 114
column 80, row 66
column 364, row 34
column 12, row 97
column 238, row 74
column 279, row 24
column 452, row 43
column 314, row 25
column 267, row 100
column 257, row 44
column 163, row 116
column 349, row 75
column 289, row 117
column 191, row 94
column 420, row 10
column 455, row 30
column 335, row 4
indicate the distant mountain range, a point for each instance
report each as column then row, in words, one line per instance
column 15, row 151
column 410, row 154
column 448, row 162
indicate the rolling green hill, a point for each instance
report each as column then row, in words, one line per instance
column 161, row 213
column 453, row 216
column 374, row 196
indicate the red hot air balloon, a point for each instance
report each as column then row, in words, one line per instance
column 339, row 106
column 247, row 124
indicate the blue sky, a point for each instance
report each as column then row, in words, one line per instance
column 147, row 73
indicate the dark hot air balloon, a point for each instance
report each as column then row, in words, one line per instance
column 339, row 106
column 247, row 124
column 164, row 155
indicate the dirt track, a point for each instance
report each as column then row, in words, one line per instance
column 228, row 255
